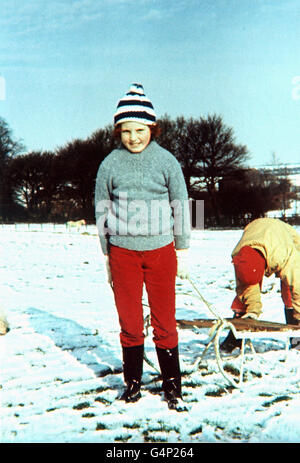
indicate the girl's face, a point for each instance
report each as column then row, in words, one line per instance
column 135, row 136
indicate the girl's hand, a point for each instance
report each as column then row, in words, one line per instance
column 182, row 263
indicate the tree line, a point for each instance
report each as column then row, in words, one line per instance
column 46, row 186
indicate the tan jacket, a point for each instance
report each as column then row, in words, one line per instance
column 280, row 245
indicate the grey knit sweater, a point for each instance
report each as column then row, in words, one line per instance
column 141, row 200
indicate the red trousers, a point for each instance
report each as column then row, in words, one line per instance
column 286, row 294
column 156, row 269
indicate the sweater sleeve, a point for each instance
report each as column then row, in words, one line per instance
column 178, row 197
column 250, row 297
column 102, row 206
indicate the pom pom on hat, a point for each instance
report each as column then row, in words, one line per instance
column 135, row 107
column 249, row 265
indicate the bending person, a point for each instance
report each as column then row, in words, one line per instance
column 267, row 246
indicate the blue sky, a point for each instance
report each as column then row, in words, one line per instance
column 64, row 65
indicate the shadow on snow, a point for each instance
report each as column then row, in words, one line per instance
column 87, row 347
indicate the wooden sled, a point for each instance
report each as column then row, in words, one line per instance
column 245, row 329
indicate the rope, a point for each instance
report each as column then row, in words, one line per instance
column 222, row 325
column 214, row 335
column 214, row 338
column 209, row 306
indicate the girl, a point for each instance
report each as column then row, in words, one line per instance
column 143, row 223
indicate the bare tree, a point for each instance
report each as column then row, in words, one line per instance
column 210, row 154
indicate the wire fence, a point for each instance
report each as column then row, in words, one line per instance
column 49, row 227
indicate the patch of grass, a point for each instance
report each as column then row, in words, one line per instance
column 229, row 287
column 238, row 434
column 155, row 390
column 122, row 438
column 207, row 372
column 103, row 400
column 101, row 427
column 81, row 406
column 282, row 398
column 203, row 366
column 197, row 430
column 157, row 432
column 255, row 374
column 163, row 427
column 231, row 369
column 132, row 426
column 150, row 438
column 97, row 390
column 39, row 349
column 192, row 384
column 217, row 392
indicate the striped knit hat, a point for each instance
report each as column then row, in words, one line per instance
column 135, row 107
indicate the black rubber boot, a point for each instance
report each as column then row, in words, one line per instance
column 291, row 320
column 132, row 370
column 230, row 343
column 168, row 360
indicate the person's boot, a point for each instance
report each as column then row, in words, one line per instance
column 132, row 370
column 168, row 360
column 291, row 320
column 230, row 343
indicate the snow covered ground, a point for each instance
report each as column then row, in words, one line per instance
column 61, row 361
